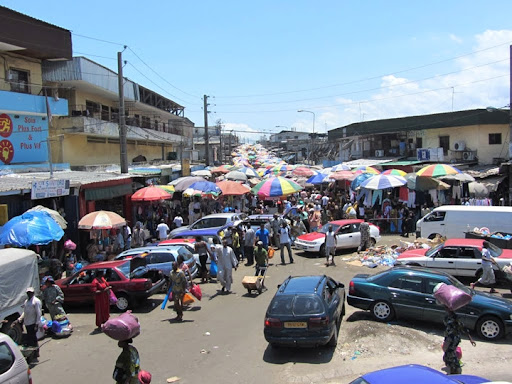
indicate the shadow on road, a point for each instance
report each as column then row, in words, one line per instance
column 283, row 355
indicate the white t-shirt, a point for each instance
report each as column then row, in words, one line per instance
column 325, row 200
column 178, row 221
column 284, row 235
column 162, row 229
column 329, row 239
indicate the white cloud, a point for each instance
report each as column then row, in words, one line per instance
column 455, row 38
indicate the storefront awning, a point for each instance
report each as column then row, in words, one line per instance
column 108, row 193
column 491, row 183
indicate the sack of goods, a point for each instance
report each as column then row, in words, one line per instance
column 196, row 291
column 123, row 327
column 451, row 297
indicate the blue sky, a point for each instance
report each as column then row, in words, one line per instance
column 260, row 62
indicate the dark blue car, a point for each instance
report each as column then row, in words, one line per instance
column 305, row 311
column 407, row 292
column 417, row 374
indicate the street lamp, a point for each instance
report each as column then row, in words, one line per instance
column 311, row 156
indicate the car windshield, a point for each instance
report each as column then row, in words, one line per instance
column 458, row 284
column 325, row 228
column 124, row 269
column 433, row 250
column 210, row 222
column 298, row 305
column 136, row 273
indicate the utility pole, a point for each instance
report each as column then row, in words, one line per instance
column 221, row 151
column 206, row 141
column 122, row 125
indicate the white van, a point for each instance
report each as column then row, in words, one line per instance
column 453, row 220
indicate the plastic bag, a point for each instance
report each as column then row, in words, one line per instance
column 112, row 298
column 69, row 245
column 196, row 291
column 213, row 269
column 451, row 296
column 123, row 327
column 271, row 252
column 188, row 299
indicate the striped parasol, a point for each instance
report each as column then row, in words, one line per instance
column 436, row 170
column 275, row 187
column 394, row 172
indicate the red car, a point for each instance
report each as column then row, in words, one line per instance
column 458, row 257
column 131, row 281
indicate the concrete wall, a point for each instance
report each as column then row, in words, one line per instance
column 33, row 66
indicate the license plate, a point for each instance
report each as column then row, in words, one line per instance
column 295, row 324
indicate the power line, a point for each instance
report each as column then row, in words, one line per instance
column 96, row 39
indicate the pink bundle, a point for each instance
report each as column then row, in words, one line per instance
column 451, row 296
column 196, row 291
column 69, row 245
column 123, row 327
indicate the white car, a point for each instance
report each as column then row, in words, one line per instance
column 13, row 367
column 210, row 221
column 347, row 236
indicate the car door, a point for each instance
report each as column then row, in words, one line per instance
column 469, row 260
column 333, row 299
column 444, row 260
column 355, row 236
column 344, row 237
column 406, row 295
column 433, row 311
column 79, row 288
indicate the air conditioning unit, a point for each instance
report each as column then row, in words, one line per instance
column 459, row 146
column 468, row 155
column 379, row 153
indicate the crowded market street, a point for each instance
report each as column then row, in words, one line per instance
column 221, row 340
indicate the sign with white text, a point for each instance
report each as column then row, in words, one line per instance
column 49, row 188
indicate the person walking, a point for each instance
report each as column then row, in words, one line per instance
column 127, row 366
column 315, row 218
column 488, row 278
column 249, row 245
column 405, row 221
column 178, row 220
column 163, row 230
column 201, row 248
column 285, row 242
column 101, row 290
column 31, row 318
column 275, row 225
column 452, row 337
column 53, row 297
column 127, row 233
column 330, row 246
column 138, row 236
column 227, row 261
column 262, row 235
column 179, row 286
column 364, row 230
column 235, row 237
column 261, row 256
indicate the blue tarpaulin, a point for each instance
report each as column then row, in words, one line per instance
column 31, row 228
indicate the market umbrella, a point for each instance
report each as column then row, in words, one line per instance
column 202, row 172
column 424, row 183
column 478, row 190
column 436, row 170
column 101, row 220
column 367, row 169
column 151, row 193
column 340, row 167
column 31, row 228
column 394, row 172
column 275, row 187
column 206, row 187
column 464, row 177
column 342, row 175
column 182, row 183
column 359, row 179
column 232, row 188
column 221, row 169
column 54, row 214
column 167, row 188
column 317, row 179
column 249, row 172
column 383, row 182
column 303, row 171
column 236, row 176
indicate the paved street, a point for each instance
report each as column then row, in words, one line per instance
column 235, row 351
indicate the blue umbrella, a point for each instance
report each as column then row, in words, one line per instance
column 383, row 182
column 359, row 179
column 206, row 187
column 31, row 228
column 316, row 179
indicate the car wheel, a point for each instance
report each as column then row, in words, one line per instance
column 334, row 339
column 382, row 311
column 372, row 242
column 322, row 251
column 122, row 302
column 165, row 287
column 15, row 333
column 490, row 328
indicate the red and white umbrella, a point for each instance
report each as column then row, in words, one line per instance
column 101, row 220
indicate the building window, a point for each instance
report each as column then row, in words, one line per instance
column 444, row 142
column 494, row 138
column 92, row 108
column 146, row 122
column 419, row 142
column 115, row 115
column 105, row 113
column 19, row 80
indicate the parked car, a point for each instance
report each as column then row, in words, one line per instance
column 215, row 220
column 458, row 257
column 161, row 257
column 13, row 367
column 130, row 279
column 187, row 243
column 414, row 373
column 407, row 292
column 347, row 236
column 216, row 234
column 305, row 311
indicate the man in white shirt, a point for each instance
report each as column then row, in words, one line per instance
column 285, row 241
column 330, row 246
column 178, row 220
column 31, row 317
column 163, row 230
